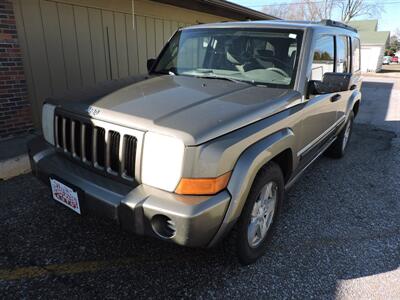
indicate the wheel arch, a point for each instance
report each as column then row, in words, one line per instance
column 277, row 147
column 285, row 161
column 356, row 107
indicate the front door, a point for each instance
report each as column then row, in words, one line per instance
column 319, row 113
column 343, row 65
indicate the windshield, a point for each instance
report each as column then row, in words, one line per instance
column 255, row 56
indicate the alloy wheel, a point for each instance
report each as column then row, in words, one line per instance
column 262, row 214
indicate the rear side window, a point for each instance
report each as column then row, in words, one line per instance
column 343, row 54
column 324, row 57
column 356, row 54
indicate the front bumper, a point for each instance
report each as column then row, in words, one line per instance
column 196, row 218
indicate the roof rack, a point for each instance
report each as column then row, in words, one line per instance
column 333, row 23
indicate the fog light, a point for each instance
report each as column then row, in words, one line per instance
column 163, row 226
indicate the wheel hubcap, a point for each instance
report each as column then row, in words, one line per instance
column 346, row 134
column 262, row 214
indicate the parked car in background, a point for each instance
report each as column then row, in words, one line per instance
column 204, row 146
column 386, row 60
column 395, row 59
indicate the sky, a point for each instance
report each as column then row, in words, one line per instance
column 389, row 19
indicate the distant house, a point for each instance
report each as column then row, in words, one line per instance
column 373, row 44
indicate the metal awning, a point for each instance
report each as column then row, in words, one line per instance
column 221, row 8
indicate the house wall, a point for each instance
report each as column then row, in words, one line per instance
column 371, row 58
column 75, row 43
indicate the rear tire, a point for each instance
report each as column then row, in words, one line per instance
column 338, row 148
column 260, row 212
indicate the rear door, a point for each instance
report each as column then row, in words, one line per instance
column 319, row 113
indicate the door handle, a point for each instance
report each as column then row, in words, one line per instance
column 336, row 97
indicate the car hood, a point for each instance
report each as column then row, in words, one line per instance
column 193, row 109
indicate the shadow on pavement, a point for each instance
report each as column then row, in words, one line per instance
column 376, row 104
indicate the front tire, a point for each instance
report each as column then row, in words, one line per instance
column 338, row 148
column 254, row 229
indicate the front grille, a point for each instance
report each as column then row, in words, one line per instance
column 114, row 162
column 106, row 147
column 130, row 149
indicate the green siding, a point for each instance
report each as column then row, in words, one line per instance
column 365, row 25
column 68, row 46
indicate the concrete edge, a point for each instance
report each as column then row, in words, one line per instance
column 15, row 166
column 382, row 75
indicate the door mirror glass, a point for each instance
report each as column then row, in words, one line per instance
column 150, row 63
column 331, row 83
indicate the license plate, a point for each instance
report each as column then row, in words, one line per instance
column 65, row 195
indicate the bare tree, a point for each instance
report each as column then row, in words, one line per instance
column 306, row 10
column 314, row 10
column 286, row 11
column 354, row 8
column 319, row 10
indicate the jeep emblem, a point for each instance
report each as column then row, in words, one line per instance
column 93, row 111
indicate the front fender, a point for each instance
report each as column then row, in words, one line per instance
column 246, row 169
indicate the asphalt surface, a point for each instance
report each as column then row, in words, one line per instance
column 339, row 237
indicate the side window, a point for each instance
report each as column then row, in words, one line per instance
column 292, row 48
column 343, row 54
column 169, row 59
column 324, row 57
column 269, row 46
column 356, row 54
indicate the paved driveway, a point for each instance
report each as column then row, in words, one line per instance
column 339, row 237
column 381, row 102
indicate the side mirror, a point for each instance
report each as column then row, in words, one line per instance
column 316, row 87
column 331, row 83
column 337, row 82
column 150, row 63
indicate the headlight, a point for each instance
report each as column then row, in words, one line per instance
column 162, row 161
column 48, row 122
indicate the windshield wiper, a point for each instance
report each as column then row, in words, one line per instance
column 209, row 74
column 170, row 71
column 217, row 77
column 224, row 78
column 213, row 75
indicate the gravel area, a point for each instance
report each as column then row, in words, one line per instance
column 339, row 237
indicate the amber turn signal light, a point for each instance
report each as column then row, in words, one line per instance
column 203, row 186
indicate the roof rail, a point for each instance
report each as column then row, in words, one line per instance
column 333, row 23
